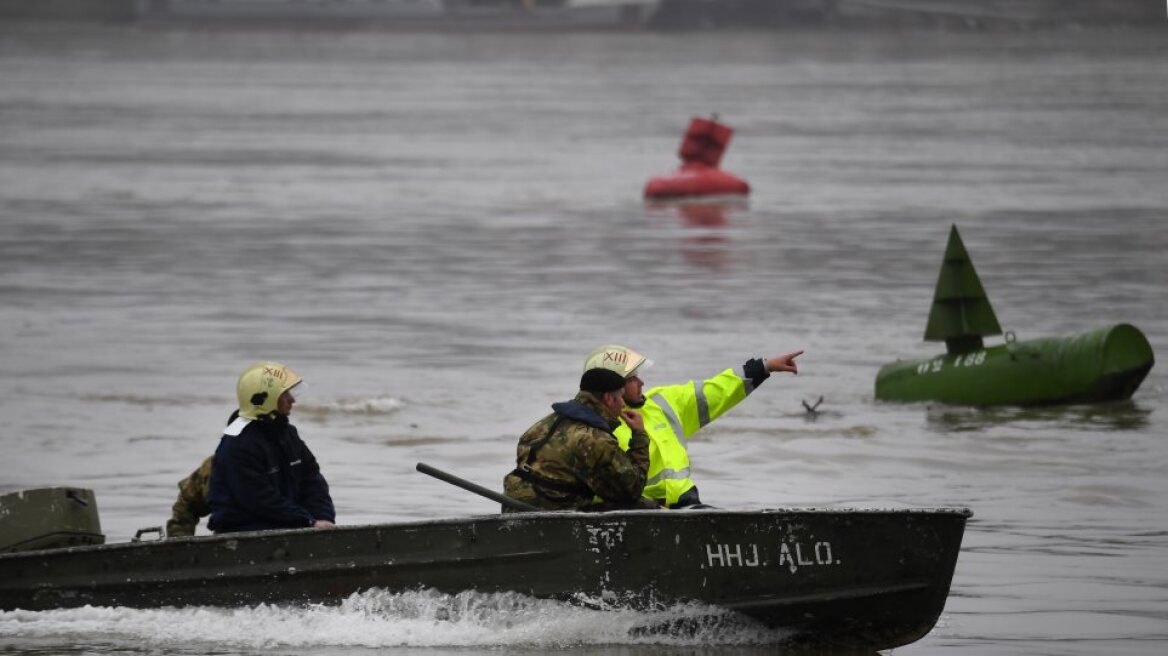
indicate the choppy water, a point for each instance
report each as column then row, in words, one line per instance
column 435, row 229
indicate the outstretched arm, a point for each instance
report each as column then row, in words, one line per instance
column 697, row 403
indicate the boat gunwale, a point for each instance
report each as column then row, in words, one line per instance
column 502, row 519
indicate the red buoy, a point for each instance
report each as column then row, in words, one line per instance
column 701, row 151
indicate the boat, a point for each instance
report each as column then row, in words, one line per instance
column 1105, row 364
column 857, row 578
column 407, row 14
column 701, row 151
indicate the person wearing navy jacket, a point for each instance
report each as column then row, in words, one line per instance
column 264, row 476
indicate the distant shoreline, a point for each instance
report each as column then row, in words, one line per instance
column 966, row 15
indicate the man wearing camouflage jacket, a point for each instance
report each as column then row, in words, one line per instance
column 192, row 504
column 570, row 459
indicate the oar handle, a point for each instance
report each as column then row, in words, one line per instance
column 471, row 487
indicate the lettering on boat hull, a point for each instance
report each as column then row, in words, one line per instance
column 791, row 555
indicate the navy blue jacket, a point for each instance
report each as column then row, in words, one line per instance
column 266, row 478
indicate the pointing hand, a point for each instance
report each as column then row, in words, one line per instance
column 785, row 362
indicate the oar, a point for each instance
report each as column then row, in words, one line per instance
column 471, row 487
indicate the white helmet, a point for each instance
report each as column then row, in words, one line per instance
column 621, row 359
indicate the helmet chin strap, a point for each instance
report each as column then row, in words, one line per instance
column 636, row 405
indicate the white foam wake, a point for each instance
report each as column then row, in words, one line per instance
column 376, row 618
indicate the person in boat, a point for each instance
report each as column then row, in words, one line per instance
column 263, row 475
column 570, row 460
column 192, row 503
column 673, row 413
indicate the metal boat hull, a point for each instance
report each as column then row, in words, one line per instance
column 874, row 579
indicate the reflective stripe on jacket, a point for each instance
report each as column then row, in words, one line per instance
column 673, row 413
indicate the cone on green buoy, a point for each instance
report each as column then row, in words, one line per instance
column 961, row 313
column 1106, row 364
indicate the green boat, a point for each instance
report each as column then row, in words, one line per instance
column 867, row 579
column 1106, row 364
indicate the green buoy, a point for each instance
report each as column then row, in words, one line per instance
column 1106, row 364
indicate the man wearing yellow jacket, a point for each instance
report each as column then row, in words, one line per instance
column 673, row 413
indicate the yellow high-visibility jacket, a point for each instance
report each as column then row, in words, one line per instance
column 673, row 413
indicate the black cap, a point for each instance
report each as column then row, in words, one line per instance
column 599, row 381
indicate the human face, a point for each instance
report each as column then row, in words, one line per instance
column 634, row 391
column 284, row 403
column 613, row 401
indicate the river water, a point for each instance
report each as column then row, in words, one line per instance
column 435, row 229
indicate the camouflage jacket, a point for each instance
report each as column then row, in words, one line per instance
column 580, row 459
column 192, row 503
